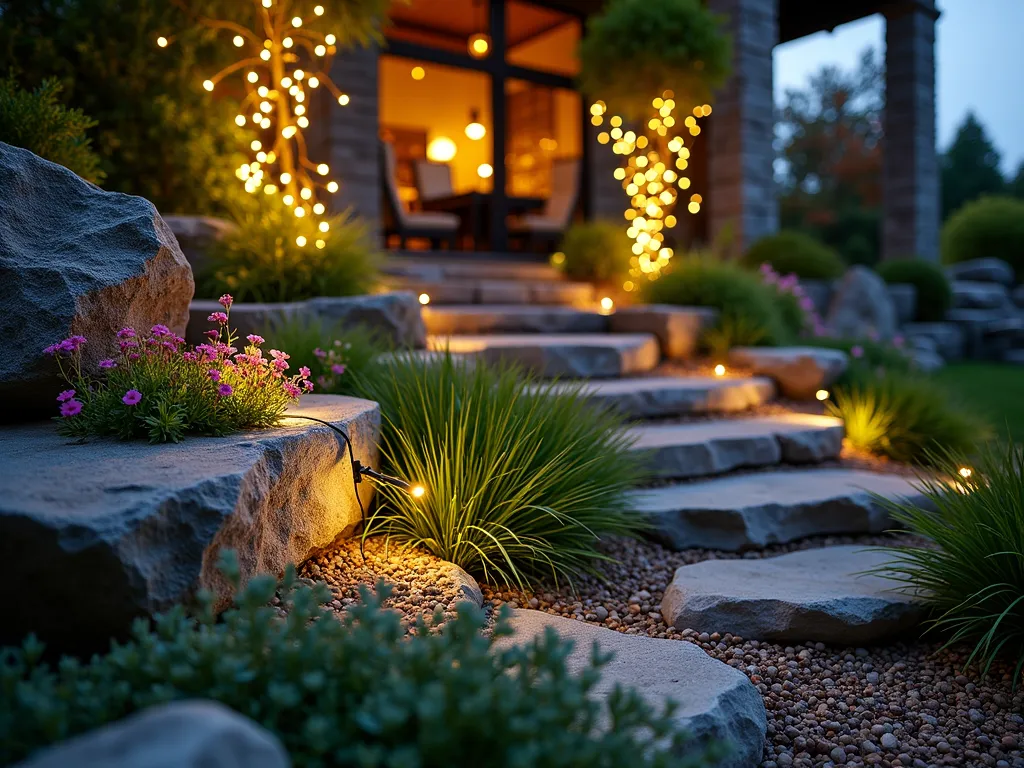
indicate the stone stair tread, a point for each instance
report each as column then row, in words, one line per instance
column 460, row 290
column 715, row 447
column 716, row 702
column 581, row 355
column 648, row 397
column 825, row 594
column 512, row 318
column 754, row 510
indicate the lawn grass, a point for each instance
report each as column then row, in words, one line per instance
column 995, row 391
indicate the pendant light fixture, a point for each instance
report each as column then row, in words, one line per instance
column 480, row 43
column 475, row 130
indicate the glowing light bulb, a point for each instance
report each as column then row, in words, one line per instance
column 300, row 212
column 441, row 149
column 296, row 22
column 324, row 226
column 252, row 77
column 267, row 3
column 484, row 171
column 319, row 10
column 322, row 169
column 475, row 131
column 288, row 199
column 418, row 73
column 298, row 74
column 821, row 394
column 300, row 241
column 208, row 85
column 424, row 298
column 287, row 42
column 719, row 370
column 343, row 99
column 255, row 145
column 286, row 178
column 318, row 208
column 306, row 193
column 265, row 55
column 965, row 472
column 240, row 120
column 417, row 491
column 558, row 258
column 332, row 187
column 320, row 50
column 607, row 305
column 330, row 39
column 265, row 123
column 479, row 45
column 239, row 41
column 321, row 243
column 162, row 42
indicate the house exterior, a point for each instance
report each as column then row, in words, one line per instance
column 466, row 82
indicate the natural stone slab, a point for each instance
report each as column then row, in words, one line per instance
column 93, row 535
column 716, row 702
column 799, row 372
column 713, row 447
column 245, row 318
column 947, row 337
column 678, row 328
column 570, row 294
column 861, row 306
column 197, row 235
column 737, row 513
column 814, row 595
column 184, row 734
column 75, row 259
column 447, row 292
column 394, row 316
column 469, row 269
column 982, row 270
column 656, row 396
column 502, row 292
column 970, row 294
column 559, row 355
column 512, row 318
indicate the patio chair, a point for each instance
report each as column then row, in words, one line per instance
column 439, row 228
column 546, row 228
column 433, row 180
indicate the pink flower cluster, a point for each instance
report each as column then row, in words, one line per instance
column 791, row 284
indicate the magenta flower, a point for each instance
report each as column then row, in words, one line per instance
column 212, row 335
column 70, row 408
column 308, row 386
column 280, row 365
column 134, row 356
column 107, row 364
column 897, row 341
column 806, row 304
column 337, row 369
column 131, row 397
column 225, row 390
column 255, row 338
column 319, row 353
column 291, row 389
column 66, row 395
column 304, row 372
column 218, row 317
column 126, row 333
column 160, row 330
column 857, row 351
column 214, row 375
column 226, row 301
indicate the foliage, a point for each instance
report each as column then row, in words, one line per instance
column 155, row 389
column 634, row 50
column 745, row 304
column 598, row 251
column 331, row 352
column 989, row 227
column 731, row 331
column 348, row 692
column 993, row 389
column 868, row 358
column 523, row 478
column 970, row 573
column 969, row 167
column 262, row 259
column 36, row 121
column 905, row 417
column 791, row 252
column 934, row 295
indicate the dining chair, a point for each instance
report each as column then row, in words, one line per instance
column 438, row 227
column 433, row 180
column 546, row 228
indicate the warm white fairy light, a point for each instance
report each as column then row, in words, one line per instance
column 285, row 48
column 653, row 178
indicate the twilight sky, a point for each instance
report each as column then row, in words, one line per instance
column 979, row 66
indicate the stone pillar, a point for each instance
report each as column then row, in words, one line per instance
column 741, row 187
column 607, row 200
column 910, row 183
column 352, row 137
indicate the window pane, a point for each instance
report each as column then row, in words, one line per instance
column 542, row 38
column 544, row 125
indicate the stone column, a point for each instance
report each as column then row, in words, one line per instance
column 607, row 200
column 910, row 183
column 352, row 137
column 741, row 186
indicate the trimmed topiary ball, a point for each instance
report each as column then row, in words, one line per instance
column 934, row 296
column 992, row 227
column 794, row 253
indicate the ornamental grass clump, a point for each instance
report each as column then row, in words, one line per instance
column 523, row 479
column 354, row 692
column 157, row 388
column 970, row 574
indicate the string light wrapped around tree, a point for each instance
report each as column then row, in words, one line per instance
column 285, row 49
column 649, row 62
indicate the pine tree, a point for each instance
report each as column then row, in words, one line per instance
column 970, row 167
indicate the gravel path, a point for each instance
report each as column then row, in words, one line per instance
column 898, row 705
column 421, row 583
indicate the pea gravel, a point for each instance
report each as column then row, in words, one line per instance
column 906, row 703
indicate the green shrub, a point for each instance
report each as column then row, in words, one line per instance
column 522, row 479
column 353, row 692
column 868, row 359
column 970, row 572
column 262, row 261
column 598, row 251
column 905, row 418
column 795, row 253
column 36, row 121
column 989, row 227
column 743, row 301
column 934, row 295
column 331, row 352
column 634, row 50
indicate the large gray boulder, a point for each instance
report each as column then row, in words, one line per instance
column 948, row 339
column 75, row 260
column 818, row 594
column 970, row 294
column 184, row 734
column 1018, row 296
column 716, row 702
column 982, row 271
column 820, row 293
column 904, row 301
column 197, row 235
column 246, row 318
column 799, row 372
column 861, row 306
column 395, row 316
column 93, row 535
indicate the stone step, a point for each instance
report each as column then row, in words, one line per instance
column 747, row 511
column 681, row 451
column 434, row 268
column 596, row 355
column 485, row 291
column 826, row 595
column 511, row 318
column 652, row 397
column 716, row 702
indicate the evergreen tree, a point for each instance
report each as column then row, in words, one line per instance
column 970, row 167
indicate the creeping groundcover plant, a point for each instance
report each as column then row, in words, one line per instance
column 158, row 388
